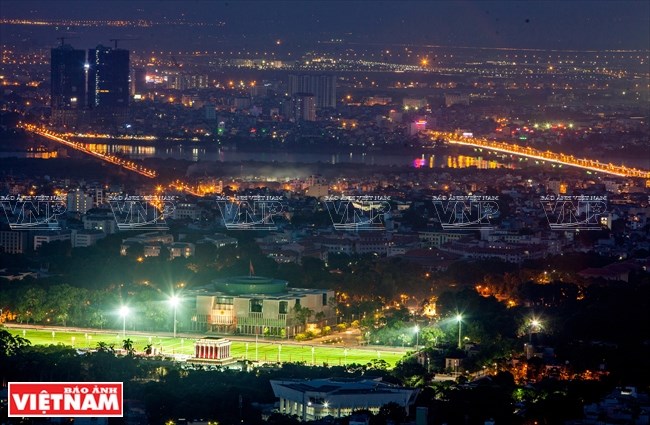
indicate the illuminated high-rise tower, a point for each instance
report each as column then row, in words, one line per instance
column 108, row 78
column 323, row 87
column 68, row 83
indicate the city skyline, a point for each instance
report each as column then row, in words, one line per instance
column 268, row 213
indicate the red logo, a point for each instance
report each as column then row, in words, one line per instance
column 51, row 399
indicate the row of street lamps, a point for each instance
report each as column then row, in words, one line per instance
column 416, row 329
column 534, row 326
column 174, row 301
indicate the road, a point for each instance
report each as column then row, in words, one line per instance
column 124, row 163
column 547, row 156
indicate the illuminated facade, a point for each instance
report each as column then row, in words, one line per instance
column 318, row 398
column 303, row 107
column 255, row 305
column 212, row 349
column 108, row 78
column 323, row 87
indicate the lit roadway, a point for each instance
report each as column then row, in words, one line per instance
column 129, row 165
column 528, row 152
column 559, row 158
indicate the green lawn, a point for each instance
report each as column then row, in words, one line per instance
column 267, row 351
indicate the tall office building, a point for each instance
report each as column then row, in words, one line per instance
column 138, row 81
column 68, row 83
column 323, row 87
column 303, row 107
column 108, row 78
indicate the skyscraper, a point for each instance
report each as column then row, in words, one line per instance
column 323, row 87
column 108, row 78
column 68, row 83
column 138, row 81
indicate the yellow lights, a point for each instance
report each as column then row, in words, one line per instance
column 547, row 156
column 424, row 62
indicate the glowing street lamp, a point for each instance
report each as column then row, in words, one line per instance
column 459, row 319
column 124, row 311
column 174, row 303
column 416, row 329
column 534, row 324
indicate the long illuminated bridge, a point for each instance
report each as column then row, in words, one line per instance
column 124, row 163
column 528, row 152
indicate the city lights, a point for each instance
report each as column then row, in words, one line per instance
column 328, row 184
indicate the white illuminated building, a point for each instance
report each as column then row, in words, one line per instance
column 318, row 398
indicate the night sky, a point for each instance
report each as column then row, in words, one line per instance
column 543, row 25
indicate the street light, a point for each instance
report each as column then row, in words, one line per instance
column 124, row 311
column 417, row 336
column 459, row 319
column 174, row 302
column 534, row 324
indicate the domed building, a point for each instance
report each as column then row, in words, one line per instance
column 257, row 305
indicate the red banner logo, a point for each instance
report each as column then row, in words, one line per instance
column 51, row 399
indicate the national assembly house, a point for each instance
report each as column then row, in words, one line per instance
column 256, row 305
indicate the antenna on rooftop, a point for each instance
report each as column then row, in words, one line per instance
column 63, row 39
column 115, row 40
